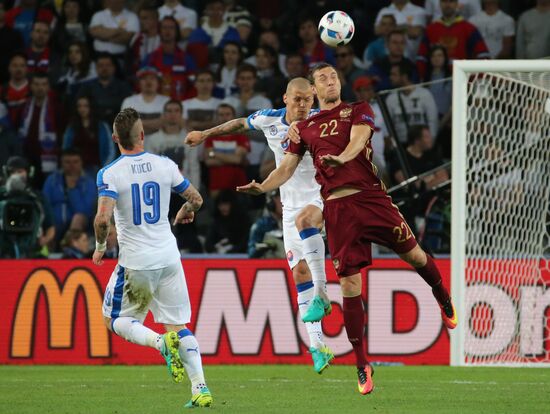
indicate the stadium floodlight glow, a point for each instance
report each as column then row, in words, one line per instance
column 500, row 247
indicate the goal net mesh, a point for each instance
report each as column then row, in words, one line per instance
column 507, row 252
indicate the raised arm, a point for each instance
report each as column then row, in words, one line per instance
column 234, row 126
column 102, row 224
column 359, row 136
column 277, row 178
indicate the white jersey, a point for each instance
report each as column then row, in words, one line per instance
column 141, row 185
column 302, row 188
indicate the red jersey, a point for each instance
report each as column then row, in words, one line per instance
column 15, row 99
column 227, row 176
column 328, row 132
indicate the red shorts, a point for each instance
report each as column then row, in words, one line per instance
column 355, row 221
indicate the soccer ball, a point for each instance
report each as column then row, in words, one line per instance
column 336, row 28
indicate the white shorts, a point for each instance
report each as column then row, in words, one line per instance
column 133, row 293
column 291, row 237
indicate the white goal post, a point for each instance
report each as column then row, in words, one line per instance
column 500, row 241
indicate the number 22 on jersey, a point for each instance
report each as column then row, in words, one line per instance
column 150, row 193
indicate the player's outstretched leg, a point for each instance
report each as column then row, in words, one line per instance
column 426, row 268
column 191, row 357
column 134, row 331
column 354, row 321
column 308, row 222
column 320, row 353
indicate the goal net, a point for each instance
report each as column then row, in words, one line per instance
column 501, row 212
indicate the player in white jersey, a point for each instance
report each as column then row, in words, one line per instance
column 149, row 275
column 302, row 210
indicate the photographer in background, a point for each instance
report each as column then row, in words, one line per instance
column 26, row 220
column 266, row 234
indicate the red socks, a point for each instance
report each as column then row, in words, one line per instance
column 354, row 321
column 431, row 275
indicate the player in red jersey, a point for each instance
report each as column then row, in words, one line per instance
column 358, row 211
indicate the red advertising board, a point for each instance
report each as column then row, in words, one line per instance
column 244, row 311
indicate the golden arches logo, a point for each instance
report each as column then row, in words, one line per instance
column 61, row 302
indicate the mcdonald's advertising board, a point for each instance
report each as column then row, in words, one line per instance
column 244, row 311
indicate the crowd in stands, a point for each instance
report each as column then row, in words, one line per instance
column 67, row 67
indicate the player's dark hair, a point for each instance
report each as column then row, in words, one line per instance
column 315, row 68
column 415, row 133
column 124, row 122
column 173, row 102
column 247, row 67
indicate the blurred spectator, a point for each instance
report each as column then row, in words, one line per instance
column 420, row 158
column 38, row 53
column 113, row 27
column 460, row 38
column 294, row 66
column 106, row 91
column 349, row 72
column 363, row 87
column 437, row 70
column 22, row 18
column 92, row 136
column 380, row 70
column 228, row 233
column 266, row 234
column 409, row 18
column 497, row 28
column 174, row 64
column 410, row 105
column 268, row 163
column 70, row 28
column 11, row 41
column 185, row 16
column 533, row 34
column 377, row 49
column 232, row 57
column 208, row 39
column 271, row 82
column 72, row 194
column 199, row 112
column 169, row 139
column 235, row 12
column 148, row 102
column 225, row 156
column 244, row 28
column 246, row 102
column 466, row 8
column 16, row 91
column 148, row 39
column 271, row 38
column 311, row 48
column 9, row 142
column 79, row 69
column 39, row 128
column 75, row 245
column 26, row 218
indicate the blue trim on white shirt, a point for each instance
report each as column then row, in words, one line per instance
column 108, row 193
column 184, row 185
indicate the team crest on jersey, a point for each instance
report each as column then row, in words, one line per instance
column 336, row 263
column 285, row 144
column 289, row 256
column 273, row 130
column 344, row 113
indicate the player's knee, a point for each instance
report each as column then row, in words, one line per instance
column 107, row 322
column 303, row 221
column 351, row 285
column 309, row 217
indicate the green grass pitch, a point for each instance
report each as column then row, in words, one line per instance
column 274, row 389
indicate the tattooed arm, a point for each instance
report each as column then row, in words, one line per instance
column 186, row 213
column 234, row 126
column 102, row 224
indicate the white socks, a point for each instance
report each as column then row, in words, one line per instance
column 314, row 254
column 314, row 329
column 191, row 357
column 134, row 331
